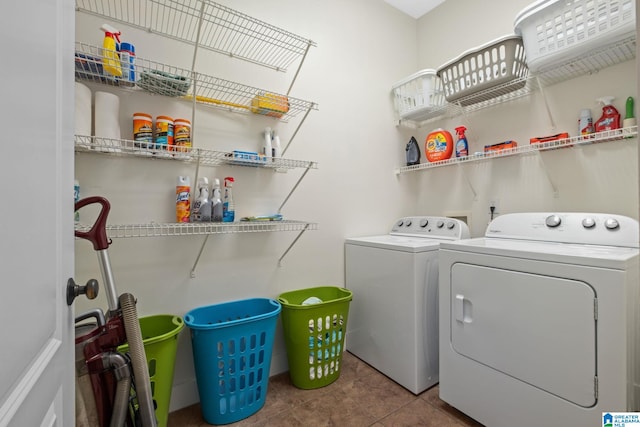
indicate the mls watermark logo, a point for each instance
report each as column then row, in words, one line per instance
column 620, row 419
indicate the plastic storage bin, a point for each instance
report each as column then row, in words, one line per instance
column 314, row 334
column 232, row 344
column 500, row 62
column 418, row 96
column 557, row 32
column 160, row 340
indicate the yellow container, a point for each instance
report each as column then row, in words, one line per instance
column 270, row 104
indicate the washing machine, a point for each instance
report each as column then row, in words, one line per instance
column 393, row 318
column 539, row 320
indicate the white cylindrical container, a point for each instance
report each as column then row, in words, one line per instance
column 83, row 110
column 107, row 121
column 267, row 147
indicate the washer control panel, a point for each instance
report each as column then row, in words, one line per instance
column 429, row 226
column 572, row 227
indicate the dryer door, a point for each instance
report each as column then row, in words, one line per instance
column 537, row 329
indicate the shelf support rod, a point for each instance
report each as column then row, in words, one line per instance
column 469, row 183
column 195, row 264
column 197, row 43
column 556, row 193
column 546, row 104
column 294, row 187
column 284, row 150
column 295, row 76
column 292, row 244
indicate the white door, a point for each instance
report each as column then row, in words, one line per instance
column 36, row 215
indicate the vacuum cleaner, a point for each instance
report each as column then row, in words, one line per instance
column 112, row 389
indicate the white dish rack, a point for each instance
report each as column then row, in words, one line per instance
column 419, row 96
column 557, row 32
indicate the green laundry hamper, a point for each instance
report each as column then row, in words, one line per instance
column 314, row 333
column 160, row 340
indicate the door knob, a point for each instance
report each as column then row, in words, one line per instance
column 74, row 290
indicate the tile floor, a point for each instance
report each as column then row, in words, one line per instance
column 361, row 396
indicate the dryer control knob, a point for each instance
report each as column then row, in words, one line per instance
column 408, row 223
column 450, row 225
column 440, row 224
column 611, row 223
column 553, row 221
column 399, row 224
column 424, row 222
column 588, row 222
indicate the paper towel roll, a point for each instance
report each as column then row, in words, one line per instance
column 107, row 120
column 83, row 110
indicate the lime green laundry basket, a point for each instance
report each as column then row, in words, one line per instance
column 314, row 322
column 160, row 340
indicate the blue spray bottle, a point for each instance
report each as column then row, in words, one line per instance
column 462, row 147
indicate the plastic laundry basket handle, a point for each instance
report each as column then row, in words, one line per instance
column 98, row 233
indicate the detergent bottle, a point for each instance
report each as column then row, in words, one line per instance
column 462, row 146
column 438, row 146
column 610, row 118
column 110, row 59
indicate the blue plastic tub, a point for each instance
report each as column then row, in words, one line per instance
column 232, row 345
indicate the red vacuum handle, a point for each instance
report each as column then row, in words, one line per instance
column 98, row 233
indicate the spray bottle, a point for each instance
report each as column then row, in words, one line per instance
column 228, row 206
column 216, row 203
column 110, row 44
column 462, row 146
column 202, row 205
column 276, row 148
column 610, row 118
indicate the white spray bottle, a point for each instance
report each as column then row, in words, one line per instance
column 267, row 147
column 202, row 205
column 216, row 203
column 276, row 149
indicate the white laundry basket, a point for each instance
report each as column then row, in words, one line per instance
column 418, row 96
column 498, row 63
column 556, row 32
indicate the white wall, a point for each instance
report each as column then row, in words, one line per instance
column 363, row 47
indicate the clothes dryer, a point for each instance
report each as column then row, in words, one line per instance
column 539, row 320
column 393, row 318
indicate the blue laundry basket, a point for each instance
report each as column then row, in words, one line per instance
column 232, row 345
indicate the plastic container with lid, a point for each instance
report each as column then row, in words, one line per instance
column 182, row 135
column 142, row 130
column 438, row 145
column 164, row 133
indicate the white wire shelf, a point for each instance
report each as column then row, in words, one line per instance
column 124, row 147
column 167, row 80
column 209, row 25
column 204, row 228
column 607, row 136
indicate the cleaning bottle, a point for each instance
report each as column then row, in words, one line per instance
column 202, row 205
column 585, row 123
column 183, row 201
column 610, row 118
column 76, row 197
column 110, row 59
column 216, row 203
column 228, row 206
column 267, row 147
column 629, row 120
column 276, row 149
column 462, row 147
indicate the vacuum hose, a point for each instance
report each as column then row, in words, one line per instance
column 138, row 360
column 123, row 376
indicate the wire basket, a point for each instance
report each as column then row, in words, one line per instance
column 499, row 63
column 418, row 96
column 164, row 83
column 558, row 32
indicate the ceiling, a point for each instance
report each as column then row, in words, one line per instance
column 414, row 8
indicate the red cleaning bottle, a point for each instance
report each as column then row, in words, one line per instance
column 610, row 118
